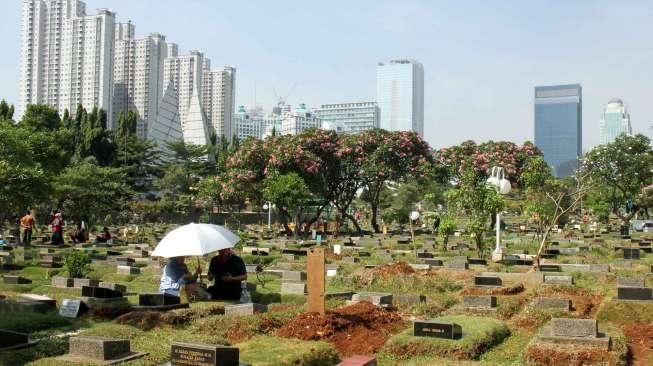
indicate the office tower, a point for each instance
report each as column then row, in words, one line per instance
column 248, row 123
column 218, row 100
column 66, row 56
column 350, row 117
column 138, row 75
column 185, row 73
column 615, row 121
column 168, row 125
column 559, row 126
column 298, row 120
column 400, row 95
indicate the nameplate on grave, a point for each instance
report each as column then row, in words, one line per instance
column 191, row 354
column 487, row 281
column 631, row 253
column 71, row 308
column 549, row 268
column 635, row 293
column 100, row 292
column 437, row 329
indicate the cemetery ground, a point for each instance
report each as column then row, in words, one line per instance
column 590, row 306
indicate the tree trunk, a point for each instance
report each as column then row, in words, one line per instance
column 355, row 222
column 536, row 262
column 375, row 224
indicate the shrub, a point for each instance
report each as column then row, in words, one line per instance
column 77, row 263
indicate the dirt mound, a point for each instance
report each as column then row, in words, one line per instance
column 386, row 271
column 506, row 290
column 147, row 320
column 144, row 320
column 361, row 328
column 548, row 354
column 640, row 342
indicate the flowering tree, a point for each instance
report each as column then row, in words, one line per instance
column 483, row 157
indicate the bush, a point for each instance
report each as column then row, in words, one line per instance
column 77, row 263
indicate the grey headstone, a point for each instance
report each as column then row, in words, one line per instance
column 245, row 309
column 474, row 301
column 566, row 327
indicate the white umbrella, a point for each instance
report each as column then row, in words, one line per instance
column 195, row 240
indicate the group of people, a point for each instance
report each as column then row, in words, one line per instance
column 56, row 222
column 226, row 270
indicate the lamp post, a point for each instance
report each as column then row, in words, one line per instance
column 498, row 181
column 269, row 206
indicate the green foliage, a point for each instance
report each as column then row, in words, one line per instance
column 287, row 191
column 477, row 201
column 398, row 201
column 621, row 169
column 89, row 192
column 41, row 117
column 446, row 228
column 77, row 263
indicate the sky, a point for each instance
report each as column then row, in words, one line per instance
column 481, row 58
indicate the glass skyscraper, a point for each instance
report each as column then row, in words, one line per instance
column 615, row 121
column 400, row 95
column 559, row 126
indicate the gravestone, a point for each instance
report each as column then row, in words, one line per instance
column 62, row 282
column 157, row 300
column 245, row 309
column 13, row 340
column 376, row 298
column 631, row 282
column 316, row 280
column 80, row 282
column 194, row 354
column 437, row 329
column 16, row 280
column 477, row 261
column 294, row 276
column 630, row 253
column 100, row 349
column 559, row 280
column 457, row 265
column 100, row 292
column 552, row 303
column 489, row 281
column 350, row 259
column 433, row 262
column 635, row 293
column 44, row 301
column 564, row 327
column 480, row 301
column 424, row 255
column 114, row 286
column 292, row 288
column 71, row 308
column 128, row 270
column 550, row 268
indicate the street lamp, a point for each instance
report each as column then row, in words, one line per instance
column 498, row 181
column 269, row 206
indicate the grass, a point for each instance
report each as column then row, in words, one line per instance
column 479, row 335
column 273, row 351
column 625, row 312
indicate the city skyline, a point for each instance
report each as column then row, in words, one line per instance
column 466, row 92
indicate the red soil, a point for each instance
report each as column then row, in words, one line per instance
column 361, row 328
column 640, row 342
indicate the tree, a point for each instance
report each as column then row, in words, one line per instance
column 537, row 205
column 86, row 191
column 289, row 193
column 446, row 228
column 474, row 198
column 622, row 167
column 41, row 117
column 138, row 157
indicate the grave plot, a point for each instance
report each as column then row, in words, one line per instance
column 474, row 336
column 361, row 328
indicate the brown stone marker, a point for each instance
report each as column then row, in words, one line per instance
column 316, row 280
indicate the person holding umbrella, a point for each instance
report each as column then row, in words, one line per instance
column 176, row 275
column 229, row 272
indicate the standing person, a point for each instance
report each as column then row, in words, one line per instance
column 26, row 227
column 229, row 272
column 57, row 229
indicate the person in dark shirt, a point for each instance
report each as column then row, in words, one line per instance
column 228, row 270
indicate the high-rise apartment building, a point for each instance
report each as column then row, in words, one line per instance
column 66, row 56
column 350, row 117
column 219, row 99
column 615, row 121
column 138, row 75
column 186, row 74
column 559, row 126
column 400, row 95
